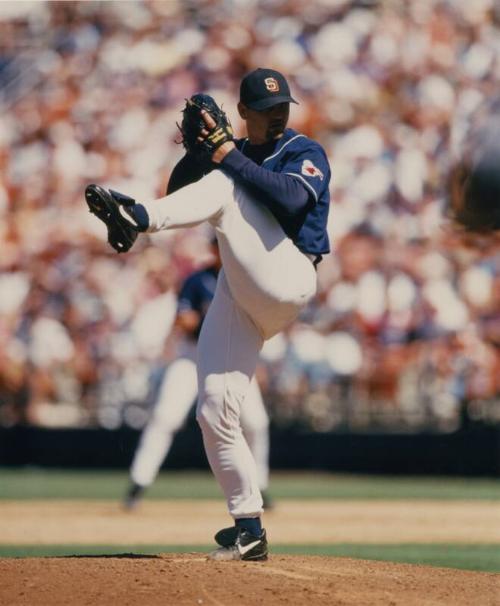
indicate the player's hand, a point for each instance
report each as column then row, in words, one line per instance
column 221, row 152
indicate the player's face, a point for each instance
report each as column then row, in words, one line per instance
column 267, row 124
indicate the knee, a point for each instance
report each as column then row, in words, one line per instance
column 211, row 417
column 218, row 412
column 205, row 417
column 256, row 425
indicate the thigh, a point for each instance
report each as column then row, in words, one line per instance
column 268, row 276
column 228, row 350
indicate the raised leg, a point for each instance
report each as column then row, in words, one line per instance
column 201, row 201
column 269, row 278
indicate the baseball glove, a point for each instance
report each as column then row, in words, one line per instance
column 193, row 123
column 105, row 206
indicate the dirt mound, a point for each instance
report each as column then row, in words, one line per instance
column 189, row 579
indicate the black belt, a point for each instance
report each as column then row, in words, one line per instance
column 315, row 259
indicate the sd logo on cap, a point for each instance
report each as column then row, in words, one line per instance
column 263, row 88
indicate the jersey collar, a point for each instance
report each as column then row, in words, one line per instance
column 288, row 135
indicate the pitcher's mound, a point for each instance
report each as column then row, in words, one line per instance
column 182, row 579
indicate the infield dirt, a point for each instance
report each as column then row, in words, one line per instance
column 189, row 579
column 188, row 522
column 179, row 580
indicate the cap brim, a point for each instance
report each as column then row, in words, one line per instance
column 263, row 104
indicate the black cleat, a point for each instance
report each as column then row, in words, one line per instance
column 133, row 497
column 238, row 544
column 112, row 208
column 267, row 501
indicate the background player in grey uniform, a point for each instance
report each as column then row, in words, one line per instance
column 179, row 388
column 268, row 201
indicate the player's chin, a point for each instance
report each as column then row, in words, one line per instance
column 275, row 132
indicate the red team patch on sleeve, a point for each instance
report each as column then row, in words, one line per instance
column 309, row 170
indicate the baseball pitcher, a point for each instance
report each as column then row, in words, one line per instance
column 267, row 197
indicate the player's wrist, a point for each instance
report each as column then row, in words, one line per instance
column 221, row 152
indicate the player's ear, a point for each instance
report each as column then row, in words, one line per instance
column 242, row 110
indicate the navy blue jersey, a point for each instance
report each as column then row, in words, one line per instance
column 197, row 292
column 294, row 155
column 303, row 159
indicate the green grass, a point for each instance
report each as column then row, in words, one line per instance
column 33, row 483
column 484, row 558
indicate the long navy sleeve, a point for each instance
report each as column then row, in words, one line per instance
column 188, row 170
column 285, row 196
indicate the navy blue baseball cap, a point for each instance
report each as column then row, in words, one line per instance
column 263, row 88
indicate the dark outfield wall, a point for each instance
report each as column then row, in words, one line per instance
column 472, row 451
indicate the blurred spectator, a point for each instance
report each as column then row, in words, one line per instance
column 406, row 328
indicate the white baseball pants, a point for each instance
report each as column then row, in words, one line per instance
column 176, row 396
column 264, row 283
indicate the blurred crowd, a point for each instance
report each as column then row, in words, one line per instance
column 405, row 331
